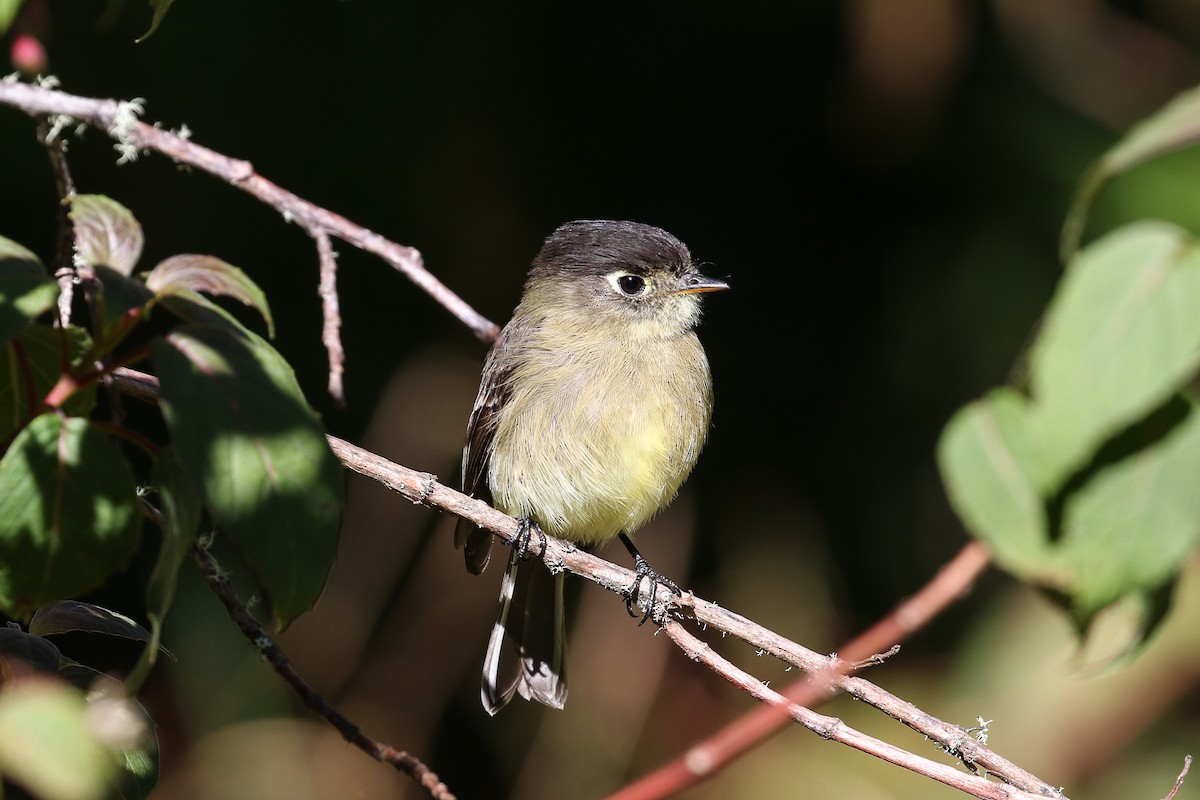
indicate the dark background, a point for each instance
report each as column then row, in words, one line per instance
column 881, row 181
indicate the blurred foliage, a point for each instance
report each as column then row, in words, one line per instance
column 883, row 181
column 69, row 732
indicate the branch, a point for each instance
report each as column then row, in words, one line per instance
column 262, row 641
column 1187, row 765
column 708, row 757
column 119, row 121
column 423, row 488
column 63, row 267
column 833, row 728
column 331, row 317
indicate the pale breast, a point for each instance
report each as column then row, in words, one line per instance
column 602, row 444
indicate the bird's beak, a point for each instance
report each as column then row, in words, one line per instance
column 694, row 284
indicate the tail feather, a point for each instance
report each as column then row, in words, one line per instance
column 527, row 652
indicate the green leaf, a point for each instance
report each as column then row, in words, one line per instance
column 106, row 233
column 69, row 616
column 211, row 275
column 199, row 310
column 8, row 12
column 36, row 357
column 259, row 455
column 988, row 461
column 1132, row 526
column 46, row 743
column 160, row 10
column 1121, row 336
column 120, row 295
column 68, row 501
column 179, row 503
column 25, row 289
column 1174, row 126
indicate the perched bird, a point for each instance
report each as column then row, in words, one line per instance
column 594, row 403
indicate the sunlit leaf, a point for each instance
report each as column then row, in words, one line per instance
column 31, row 364
column 25, row 289
column 106, row 233
column 1132, row 526
column 1121, row 336
column 47, row 745
column 259, row 455
column 210, row 275
column 989, row 464
column 68, row 501
column 8, row 12
column 1174, row 126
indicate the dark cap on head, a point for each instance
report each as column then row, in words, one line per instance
column 598, row 247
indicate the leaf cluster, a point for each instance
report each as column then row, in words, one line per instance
column 1082, row 478
column 244, row 454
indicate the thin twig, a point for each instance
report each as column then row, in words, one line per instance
column 331, row 317
column 833, row 728
column 63, row 267
column 1187, row 765
column 115, row 118
column 423, row 488
column 708, row 757
column 257, row 635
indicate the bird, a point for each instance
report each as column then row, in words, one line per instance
column 594, row 403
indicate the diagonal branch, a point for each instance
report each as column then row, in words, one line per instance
column 836, row 730
column 119, row 121
column 707, row 757
column 257, row 635
column 423, row 488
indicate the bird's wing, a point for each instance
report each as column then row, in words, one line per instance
column 481, row 430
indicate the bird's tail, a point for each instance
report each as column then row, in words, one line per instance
column 528, row 649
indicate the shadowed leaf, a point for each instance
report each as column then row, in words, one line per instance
column 68, row 616
column 179, row 503
column 160, row 10
column 30, row 373
column 259, row 455
column 34, row 650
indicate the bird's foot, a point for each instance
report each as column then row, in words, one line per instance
column 523, row 541
column 644, row 573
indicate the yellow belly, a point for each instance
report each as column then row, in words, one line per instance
column 590, row 454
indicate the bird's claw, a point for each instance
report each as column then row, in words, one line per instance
column 523, row 541
column 643, row 572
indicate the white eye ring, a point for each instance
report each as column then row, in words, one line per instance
column 627, row 284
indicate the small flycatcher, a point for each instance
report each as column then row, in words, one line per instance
column 594, row 404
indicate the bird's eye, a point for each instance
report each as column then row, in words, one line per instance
column 631, row 285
